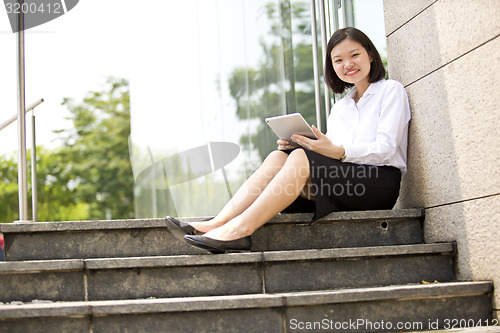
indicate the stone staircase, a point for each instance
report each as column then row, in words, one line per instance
column 349, row 272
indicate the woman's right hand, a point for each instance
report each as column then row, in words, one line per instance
column 284, row 145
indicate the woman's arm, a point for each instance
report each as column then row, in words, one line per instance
column 391, row 126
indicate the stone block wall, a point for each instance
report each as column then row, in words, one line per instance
column 447, row 55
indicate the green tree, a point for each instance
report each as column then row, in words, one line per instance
column 56, row 201
column 56, row 192
column 8, row 189
column 96, row 154
column 89, row 176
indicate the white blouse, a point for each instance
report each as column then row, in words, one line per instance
column 373, row 131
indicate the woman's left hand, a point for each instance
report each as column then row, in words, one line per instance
column 322, row 145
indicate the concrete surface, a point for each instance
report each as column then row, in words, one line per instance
column 446, row 54
column 261, row 313
column 133, row 238
column 454, row 152
column 439, row 34
column 396, row 15
column 231, row 274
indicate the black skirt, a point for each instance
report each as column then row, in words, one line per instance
column 342, row 186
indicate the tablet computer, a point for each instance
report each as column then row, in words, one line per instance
column 289, row 124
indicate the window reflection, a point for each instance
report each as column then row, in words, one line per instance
column 212, row 71
column 229, row 65
column 200, row 71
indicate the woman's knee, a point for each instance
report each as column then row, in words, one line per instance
column 299, row 161
column 273, row 163
column 300, row 155
column 279, row 153
column 276, row 157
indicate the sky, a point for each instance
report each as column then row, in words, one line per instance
column 66, row 57
column 73, row 54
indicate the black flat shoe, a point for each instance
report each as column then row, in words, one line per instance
column 178, row 228
column 217, row 246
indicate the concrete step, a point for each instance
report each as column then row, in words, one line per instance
column 225, row 274
column 150, row 237
column 377, row 309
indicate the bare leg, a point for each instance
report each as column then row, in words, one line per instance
column 308, row 190
column 247, row 193
column 282, row 190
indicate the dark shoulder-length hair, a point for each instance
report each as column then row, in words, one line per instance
column 377, row 70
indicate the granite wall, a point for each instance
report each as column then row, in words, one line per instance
column 447, row 55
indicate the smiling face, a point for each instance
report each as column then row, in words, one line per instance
column 351, row 62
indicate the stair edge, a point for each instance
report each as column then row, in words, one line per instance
column 214, row 303
column 351, row 216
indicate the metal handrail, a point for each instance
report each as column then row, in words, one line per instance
column 34, row 187
column 21, row 122
column 34, row 183
column 14, row 118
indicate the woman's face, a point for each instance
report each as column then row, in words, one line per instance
column 351, row 62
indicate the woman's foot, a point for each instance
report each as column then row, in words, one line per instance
column 206, row 226
column 228, row 232
column 179, row 228
column 217, row 246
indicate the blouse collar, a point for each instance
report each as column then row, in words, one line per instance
column 373, row 89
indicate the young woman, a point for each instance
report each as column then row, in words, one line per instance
column 357, row 165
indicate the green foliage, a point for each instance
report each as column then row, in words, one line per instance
column 8, row 189
column 55, row 200
column 96, row 151
column 89, row 176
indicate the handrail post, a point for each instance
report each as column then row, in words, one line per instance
column 21, row 162
column 317, row 94
column 153, row 190
column 34, row 187
column 324, row 42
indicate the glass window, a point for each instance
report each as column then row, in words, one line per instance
column 204, row 74
column 369, row 18
column 210, row 72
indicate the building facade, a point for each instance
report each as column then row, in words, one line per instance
column 446, row 54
